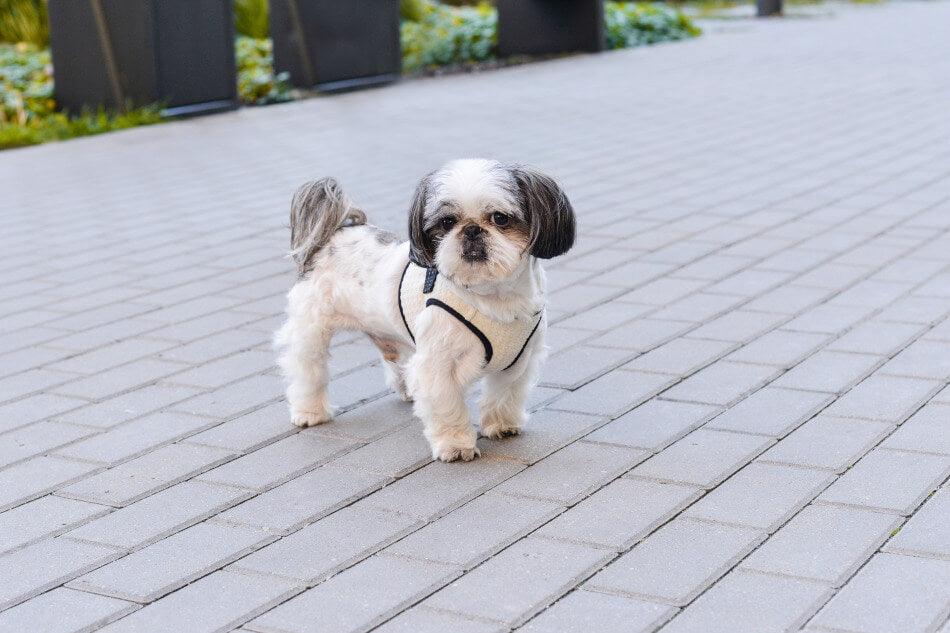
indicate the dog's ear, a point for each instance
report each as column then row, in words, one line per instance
column 548, row 212
column 421, row 246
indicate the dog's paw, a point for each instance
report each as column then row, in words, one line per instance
column 304, row 419
column 456, row 453
column 496, row 427
column 451, row 447
column 500, row 433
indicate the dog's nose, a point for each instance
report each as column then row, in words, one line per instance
column 472, row 231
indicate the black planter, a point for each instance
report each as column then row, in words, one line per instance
column 335, row 45
column 766, row 8
column 539, row 27
column 116, row 53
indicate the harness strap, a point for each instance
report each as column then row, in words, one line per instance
column 428, row 286
column 471, row 326
column 525, row 346
column 402, row 313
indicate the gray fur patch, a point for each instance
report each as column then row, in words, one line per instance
column 318, row 210
column 384, row 237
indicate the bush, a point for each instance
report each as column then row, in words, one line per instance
column 26, row 83
column 251, row 18
column 636, row 24
column 24, row 21
column 58, row 126
column 448, row 35
column 434, row 34
column 414, row 10
column 27, row 106
column 27, row 114
column 257, row 83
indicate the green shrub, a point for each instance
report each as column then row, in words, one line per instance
column 24, row 21
column 58, row 126
column 26, row 83
column 636, row 24
column 27, row 108
column 414, row 10
column 251, row 18
column 257, row 83
column 434, row 34
column 449, row 35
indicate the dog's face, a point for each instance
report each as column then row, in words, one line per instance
column 479, row 221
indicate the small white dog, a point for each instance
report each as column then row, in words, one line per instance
column 462, row 300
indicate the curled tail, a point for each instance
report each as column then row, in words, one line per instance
column 318, row 210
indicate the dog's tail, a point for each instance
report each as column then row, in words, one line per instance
column 318, row 210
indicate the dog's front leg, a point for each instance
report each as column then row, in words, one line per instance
column 502, row 407
column 503, row 404
column 438, row 381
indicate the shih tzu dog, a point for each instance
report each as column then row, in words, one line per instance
column 462, row 300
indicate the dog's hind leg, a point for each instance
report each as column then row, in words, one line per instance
column 304, row 362
column 393, row 355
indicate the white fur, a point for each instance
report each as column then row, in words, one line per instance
column 353, row 286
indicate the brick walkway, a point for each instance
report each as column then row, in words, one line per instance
column 744, row 424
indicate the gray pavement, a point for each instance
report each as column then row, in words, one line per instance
column 744, row 424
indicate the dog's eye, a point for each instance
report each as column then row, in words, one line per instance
column 500, row 219
column 448, row 223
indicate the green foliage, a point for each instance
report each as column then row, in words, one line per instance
column 414, row 10
column 58, row 126
column 27, row 108
column 257, row 83
column 449, row 35
column 24, row 21
column 632, row 24
column 26, row 83
column 252, row 18
column 434, row 34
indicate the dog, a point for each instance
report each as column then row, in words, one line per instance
column 462, row 300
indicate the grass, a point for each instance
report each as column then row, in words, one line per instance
column 58, row 126
column 24, row 21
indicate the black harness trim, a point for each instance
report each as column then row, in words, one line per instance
column 525, row 346
column 466, row 323
column 431, row 275
column 399, row 301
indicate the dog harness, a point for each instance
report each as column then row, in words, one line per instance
column 420, row 288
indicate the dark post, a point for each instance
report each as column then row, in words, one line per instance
column 336, row 45
column 115, row 53
column 538, row 27
column 766, row 8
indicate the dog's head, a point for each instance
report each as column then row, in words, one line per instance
column 479, row 221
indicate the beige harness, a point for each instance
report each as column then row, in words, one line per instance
column 421, row 288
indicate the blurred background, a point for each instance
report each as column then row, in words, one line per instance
column 435, row 36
